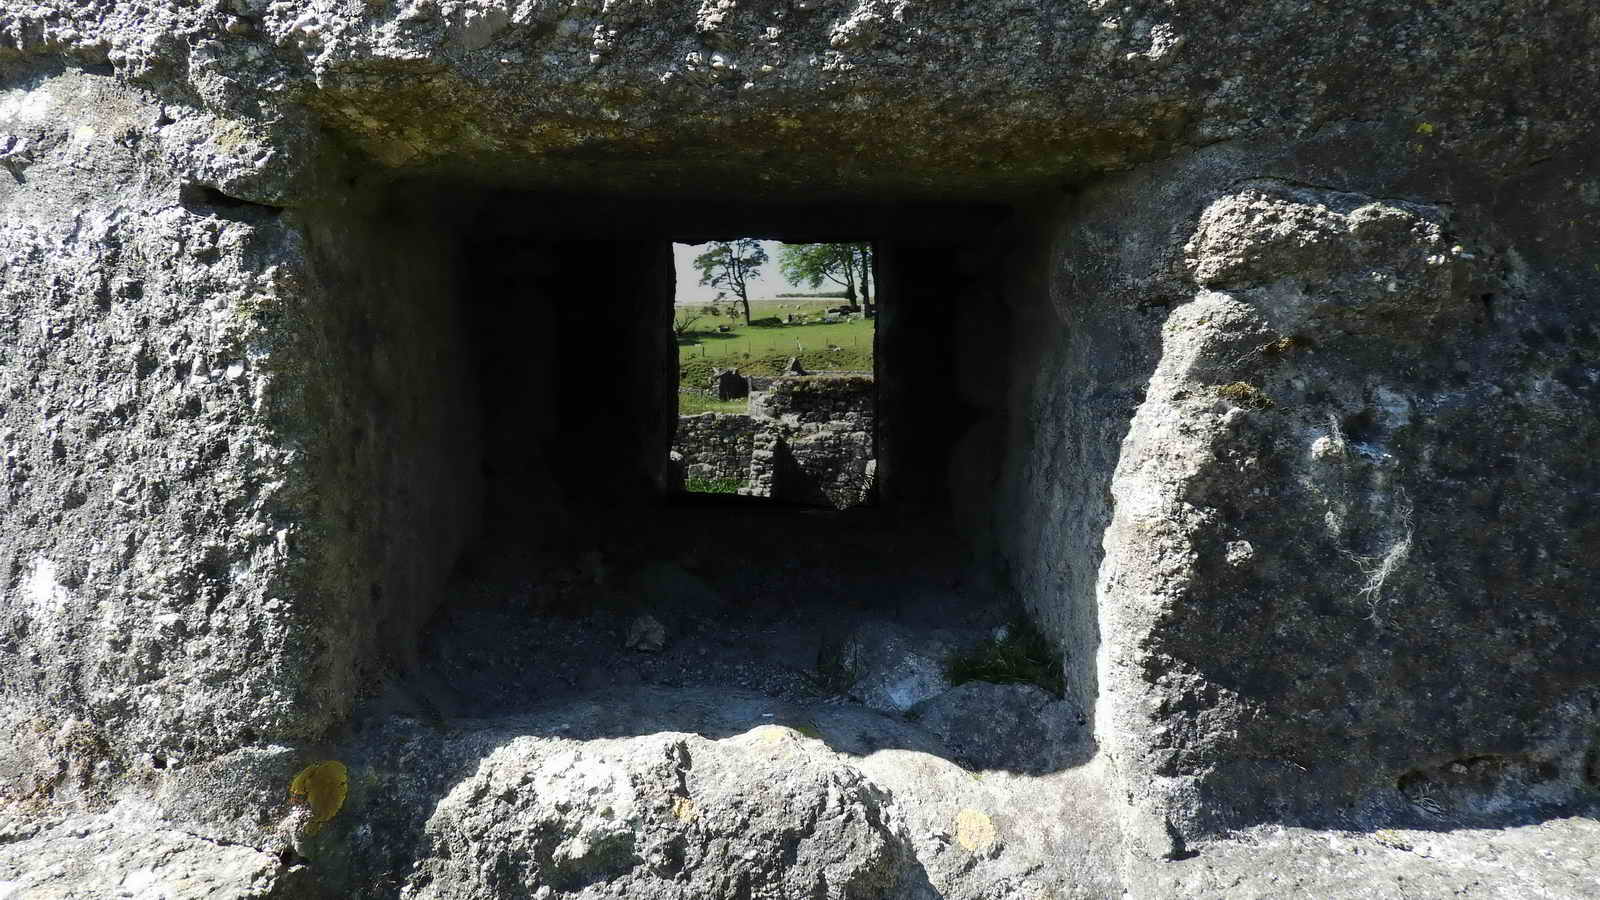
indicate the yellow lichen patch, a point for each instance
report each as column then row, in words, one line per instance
column 321, row 787
column 1425, row 128
column 230, row 135
column 1391, row 838
column 683, row 809
column 773, row 734
column 974, row 830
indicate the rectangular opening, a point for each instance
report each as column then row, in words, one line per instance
column 546, row 380
column 579, row 382
column 776, row 386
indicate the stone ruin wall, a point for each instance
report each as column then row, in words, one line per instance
column 806, row 439
column 819, row 399
column 817, row 440
column 716, row 445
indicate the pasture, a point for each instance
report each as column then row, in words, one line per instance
column 844, row 345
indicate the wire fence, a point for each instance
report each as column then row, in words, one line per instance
column 724, row 349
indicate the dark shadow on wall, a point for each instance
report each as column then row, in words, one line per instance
column 574, row 351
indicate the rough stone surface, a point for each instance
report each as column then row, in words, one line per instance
column 92, row 857
column 816, row 443
column 1303, row 363
column 1551, row 859
column 416, row 794
column 806, row 440
column 889, row 668
column 1017, row 727
column 1254, row 340
column 667, row 815
column 646, row 634
column 554, row 91
column 716, row 445
column 168, row 577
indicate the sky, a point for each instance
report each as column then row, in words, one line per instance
column 770, row 284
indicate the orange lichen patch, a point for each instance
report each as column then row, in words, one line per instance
column 321, row 787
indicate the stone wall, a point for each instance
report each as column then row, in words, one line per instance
column 210, row 535
column 716, row 445
column 815, row 444
column 1260, row 480
column 1292, row 453
column 807, row 439
column 818, row 399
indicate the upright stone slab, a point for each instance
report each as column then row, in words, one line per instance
column 207, row 533
column 730, row 385
column 1302, row 601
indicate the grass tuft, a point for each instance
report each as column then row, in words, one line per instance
column 1246, row 395
column 693, row 404
column 696, row 485
column 1021, row 656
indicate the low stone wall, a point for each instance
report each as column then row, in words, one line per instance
column 808, row 439
column 819, row 464
column 715, row 445
column 815, row 444
column 846, row 399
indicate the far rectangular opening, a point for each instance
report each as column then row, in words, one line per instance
column 776, row 371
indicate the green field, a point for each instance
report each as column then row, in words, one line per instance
column 695, row 404
column 764, row 348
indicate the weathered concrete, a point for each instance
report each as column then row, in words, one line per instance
column 679, row 815
column 209, row 528
column 108, row 856
column 1281, row 426
column 1304, row 607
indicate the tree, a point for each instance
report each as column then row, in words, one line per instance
column 682, row 322
column 846, row 265
column 731, row 265
column 812, row 264
column 863, row 254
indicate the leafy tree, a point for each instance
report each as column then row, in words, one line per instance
column 812, row 264
column 731, row 265
column 846, row 265
column 682, row 323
